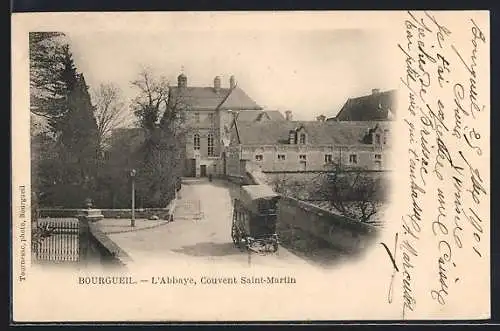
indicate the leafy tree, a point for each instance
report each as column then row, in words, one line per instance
column 51, row 76
column 79, row 135
column 63, row 148
column 161, row 115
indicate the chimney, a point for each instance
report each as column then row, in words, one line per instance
column 217, row 84
column 232, row 82
column 375, row 91
column 288, row 115
column 182, row 80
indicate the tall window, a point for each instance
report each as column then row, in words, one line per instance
column 196, row 141
column 211, row 151
column 302, row 138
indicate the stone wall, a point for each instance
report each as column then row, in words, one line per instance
column 162, row 213
column 101, row 249
column 340, row 232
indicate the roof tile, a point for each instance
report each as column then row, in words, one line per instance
column 206, row 98
column 318, row 133
column 372, row 107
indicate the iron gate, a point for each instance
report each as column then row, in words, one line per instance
column 62, row 245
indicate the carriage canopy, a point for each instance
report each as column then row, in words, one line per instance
column 252, row 195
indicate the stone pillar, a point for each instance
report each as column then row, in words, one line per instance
column 83, row 239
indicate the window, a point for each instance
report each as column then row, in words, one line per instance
column 353, row 159
column 377, row 139
column 197, row 117
column 281, row 157
column 196, row 141
column 328, row 158
column 211, row 117
column 302, row 138
column 210, row 142
column 302, row 157
column 378, row 156
column 259, row 157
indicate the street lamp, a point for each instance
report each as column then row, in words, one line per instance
column 132, row 175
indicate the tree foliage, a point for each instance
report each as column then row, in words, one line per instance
column 52, row 75
column 162, row 117
column 354, row 193
column 63, row 155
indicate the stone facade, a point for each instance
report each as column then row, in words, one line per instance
column 310, row 146
column 209, row 114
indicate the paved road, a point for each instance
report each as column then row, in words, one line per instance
column 206, row 240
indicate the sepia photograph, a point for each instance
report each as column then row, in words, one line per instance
column 173, row 153
column 173, row 157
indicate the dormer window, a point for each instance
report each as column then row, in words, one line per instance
column 302, row 138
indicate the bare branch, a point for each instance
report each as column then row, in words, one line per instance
column 109, row 111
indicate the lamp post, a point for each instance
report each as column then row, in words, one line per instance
column 132, row 175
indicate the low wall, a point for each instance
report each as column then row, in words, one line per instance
column 341, row 232
column 162, row 213
column 100, row 248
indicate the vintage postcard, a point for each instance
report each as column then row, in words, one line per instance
column 250, row 166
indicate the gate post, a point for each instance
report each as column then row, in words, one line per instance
column 83, row 239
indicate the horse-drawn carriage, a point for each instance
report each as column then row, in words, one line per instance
column 255, row 215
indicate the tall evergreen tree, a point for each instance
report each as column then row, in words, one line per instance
column 79, row 133
column 51, row 71
column 65, row 154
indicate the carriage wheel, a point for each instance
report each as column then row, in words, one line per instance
column 275, row 247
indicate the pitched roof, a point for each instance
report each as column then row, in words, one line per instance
column 256, row 115
column 318, row 133
column 378, row 106
column 206, row 98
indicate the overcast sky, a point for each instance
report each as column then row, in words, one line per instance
column 308, row 72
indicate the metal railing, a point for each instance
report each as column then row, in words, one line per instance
column 62, row 243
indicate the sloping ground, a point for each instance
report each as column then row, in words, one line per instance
column 188, row 205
